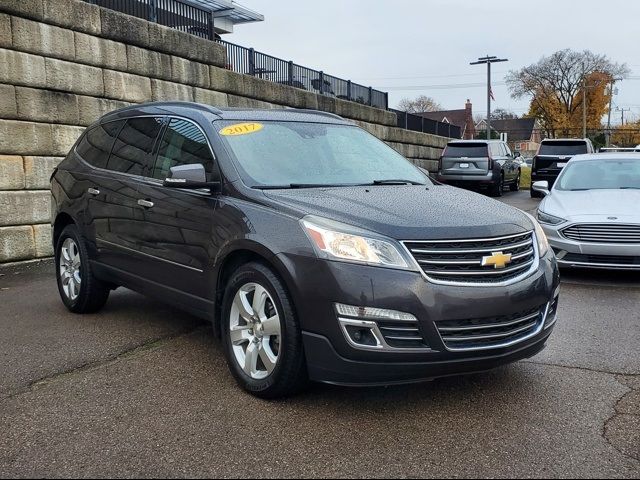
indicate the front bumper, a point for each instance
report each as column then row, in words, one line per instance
column 574, row 254
column 317, row 285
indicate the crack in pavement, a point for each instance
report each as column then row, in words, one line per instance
column 144, row 347
column 586, row 369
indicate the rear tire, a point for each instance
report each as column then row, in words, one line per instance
column 261, row 335
column 498, row 189
column 535, row 194
column 80, row 290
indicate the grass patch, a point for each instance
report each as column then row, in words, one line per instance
column 525, row 177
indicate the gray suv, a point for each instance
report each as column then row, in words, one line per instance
column 480, row 165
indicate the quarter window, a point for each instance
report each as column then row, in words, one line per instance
column 183, row 144
column 96, row 144
column 134, row 146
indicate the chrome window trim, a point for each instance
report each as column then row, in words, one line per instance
column 533, row 268
column 99, row 240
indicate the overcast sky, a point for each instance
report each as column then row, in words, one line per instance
column 413, row 47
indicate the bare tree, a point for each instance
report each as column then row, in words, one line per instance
column 555, row 83
column 419, row 105
column 503, row 114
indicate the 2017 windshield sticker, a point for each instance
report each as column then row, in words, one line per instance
column 241, row 129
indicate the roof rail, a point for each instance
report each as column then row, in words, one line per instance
column 317, row 112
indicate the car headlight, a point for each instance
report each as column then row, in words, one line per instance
column 336, row 241
column 541, row 237
column 549, row 219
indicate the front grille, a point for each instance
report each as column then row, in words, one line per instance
column 460, row 261
column 603, row 233
column 491, row 332
column 401, row 334
column 601, row 259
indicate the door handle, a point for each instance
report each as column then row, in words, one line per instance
column 93, row 191
column 145, row 203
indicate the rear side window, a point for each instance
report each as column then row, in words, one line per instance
column 183, row 144
column 134, row 146
column 96, row 144
column 466, row 150
column 563, row 148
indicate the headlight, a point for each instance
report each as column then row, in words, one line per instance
column 541, row 237
column 335, row 241
column 549, row 219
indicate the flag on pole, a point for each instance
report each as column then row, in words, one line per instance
column 491, row 93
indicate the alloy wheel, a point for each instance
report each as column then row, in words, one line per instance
column 255, row 331
column 69, row 269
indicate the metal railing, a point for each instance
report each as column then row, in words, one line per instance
column 418, row 123
column 200, row 22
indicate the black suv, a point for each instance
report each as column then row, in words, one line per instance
column 316, row 250
column 480, row 165
column 552, row 157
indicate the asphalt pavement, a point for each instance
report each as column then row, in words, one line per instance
column 142, row 389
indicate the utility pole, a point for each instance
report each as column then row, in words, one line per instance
column 622, row 110
column 584, row 102
column 488, row 61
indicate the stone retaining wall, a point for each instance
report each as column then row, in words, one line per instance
column 65, row 63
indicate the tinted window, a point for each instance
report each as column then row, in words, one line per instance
column 132, row 150
column 563, row 148
column 466, row 150
column 95, row 146
column 183, row 144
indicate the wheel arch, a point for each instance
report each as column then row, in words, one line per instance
column 61, row 221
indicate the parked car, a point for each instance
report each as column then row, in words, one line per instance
column 528, row 161
column 591, row 214
column 480, row 164
column 316, row 250
column 553, row 156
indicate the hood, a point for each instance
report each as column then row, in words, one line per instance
column 406, row 212
column 593, row 205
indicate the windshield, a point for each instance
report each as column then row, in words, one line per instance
column 563, row 148
column 470, row 150
column 307, row 154
column 600, row 174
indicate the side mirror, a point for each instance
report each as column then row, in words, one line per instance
column 516, row 155
column 541, row 187
column 189, row 176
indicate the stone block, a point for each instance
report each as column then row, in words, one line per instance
column 100, row 52
column 6, row 39
column 25, row 138
column 42, row 39
column 148, row 63
column 42, row 239
column 16, row 243
column 226, row 81
column 17, row 68
column 244, row 102
column 168, row 91
column 73, row 14
column 124, row 28
column 38, row 170
column 47, row 106
column 11, row 173
column 24, row 207
column 63, row 137
column 211, row 97
column 8, row 107
column 181, row 44
column 92, row 108
column 74, row 78
column 126, row 87
column 189, row 72
column 23, row 8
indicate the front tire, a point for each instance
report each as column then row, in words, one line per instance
column 261, row 334
column 80, row 290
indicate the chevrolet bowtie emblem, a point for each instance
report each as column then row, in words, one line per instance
column 497, row 259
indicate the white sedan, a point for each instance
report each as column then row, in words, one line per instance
column 592, row 214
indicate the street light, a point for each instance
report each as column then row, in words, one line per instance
column 488, row 61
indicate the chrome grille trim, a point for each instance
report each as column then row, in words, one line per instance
column 620, row 233
column 459, row 261
column 484, row 327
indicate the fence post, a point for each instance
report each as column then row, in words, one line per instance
column 321, row 78
column 422, row 127
column 252, row 62
column 153, row 11
column 212, row 27
column 406, row 120
column 386, row 101
column 370, row 96
column 349, row 89
column 449, row 130
column 290, row 73
column 437, row 128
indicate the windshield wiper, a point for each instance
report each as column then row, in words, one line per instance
column 629, row 188
column 306, row 185
column 396, row 182
column 580, row 189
